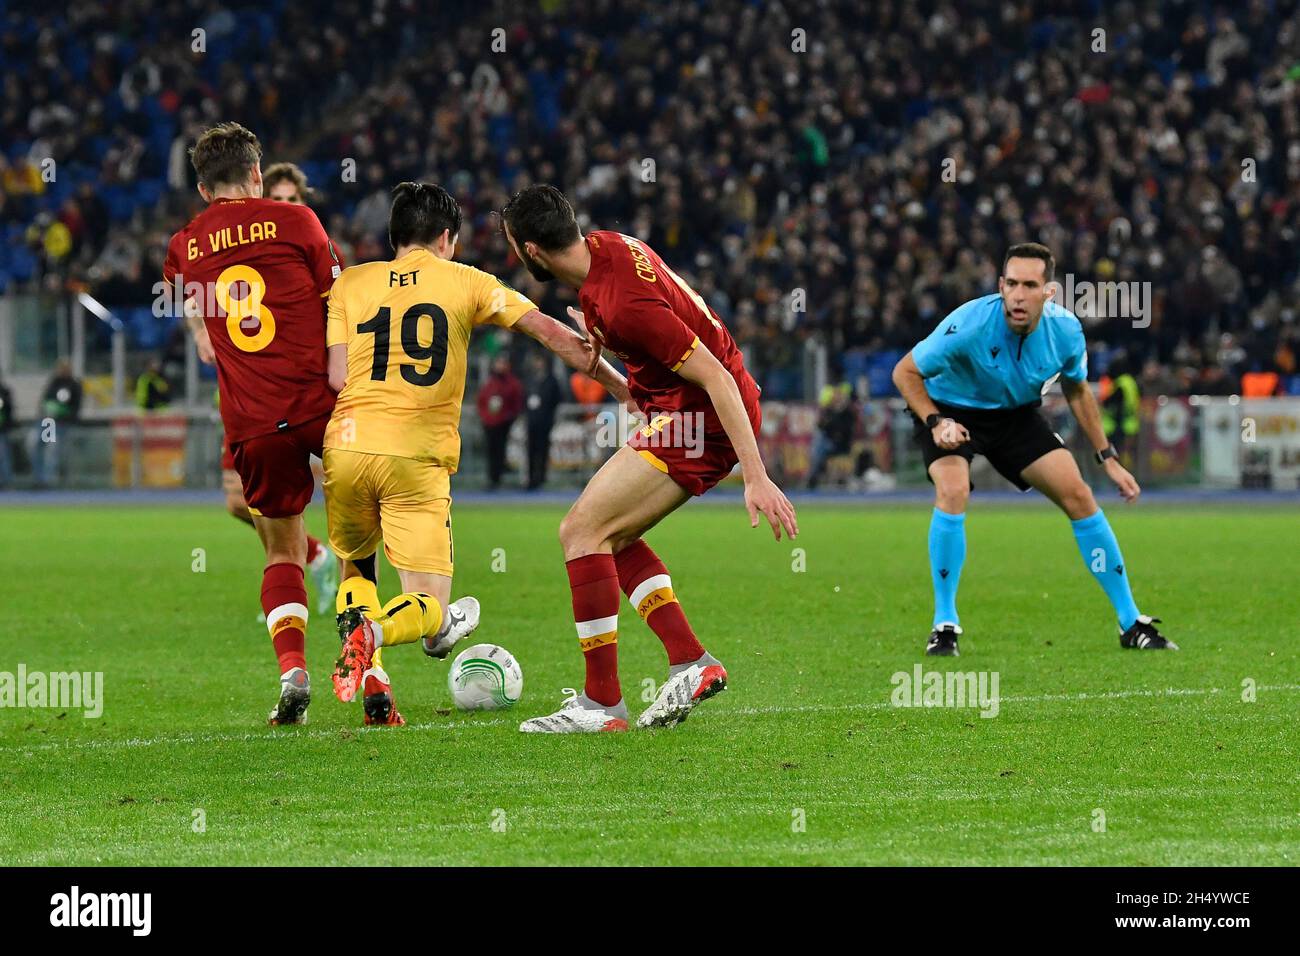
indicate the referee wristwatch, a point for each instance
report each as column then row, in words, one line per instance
column 932, row 420
column 1106, row 453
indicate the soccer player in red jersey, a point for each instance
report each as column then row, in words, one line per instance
column 260, row 271
column 686, row 375
column 283, row 182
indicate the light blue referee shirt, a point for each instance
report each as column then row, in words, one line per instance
column 974, row 360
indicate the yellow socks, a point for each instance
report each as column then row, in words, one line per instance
column 359, row 593
column 409, row 617
column 403, row 620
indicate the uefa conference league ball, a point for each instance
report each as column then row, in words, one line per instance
column 485, row 677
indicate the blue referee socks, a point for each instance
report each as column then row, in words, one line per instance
column 947, row 554
column 1101, row 554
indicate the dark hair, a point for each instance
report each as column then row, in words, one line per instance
column 1032, row 250
column 286, row 172
column 225, row 155
column 421, row 212
column 542, row 215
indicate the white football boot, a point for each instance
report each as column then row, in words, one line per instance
column 687, row 685
column 579, row 715
column 458, row 623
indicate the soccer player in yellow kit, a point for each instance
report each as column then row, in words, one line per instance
column 398, row 335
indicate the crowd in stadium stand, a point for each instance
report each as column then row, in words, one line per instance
column 845, row 175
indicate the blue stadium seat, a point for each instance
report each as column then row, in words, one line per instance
column 119, row 202
column 76, row 60
column 854, row 364
column 152, row 108
column 59, row 190
column 22, row 264
column 143, row 331
column 149, row 191
column 320, row 172
column 880, row 372
column 784, row 384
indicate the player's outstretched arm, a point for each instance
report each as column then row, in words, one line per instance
column 947, row 434
column 1084, row 406
column 574, row 350
column 761, row 493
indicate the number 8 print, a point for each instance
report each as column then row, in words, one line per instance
column 237, row 310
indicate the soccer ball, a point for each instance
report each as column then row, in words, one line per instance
column 485, row 677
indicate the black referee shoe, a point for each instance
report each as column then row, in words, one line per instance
column 1143, row 636
column 943, row 641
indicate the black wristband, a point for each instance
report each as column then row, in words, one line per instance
column 932, row 420
column 1106, row 453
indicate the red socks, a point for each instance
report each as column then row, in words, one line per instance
column 313, row 549
column 284, row 599
column 645, row 581
column 594, row 581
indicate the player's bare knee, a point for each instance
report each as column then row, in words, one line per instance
column 1077, row 501
column 575, row 532
column 951, row 496
column 580, row 536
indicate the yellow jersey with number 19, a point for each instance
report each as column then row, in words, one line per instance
column 406, row 325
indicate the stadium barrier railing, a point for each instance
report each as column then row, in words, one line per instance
column 1191, row 441
column 1184, row 442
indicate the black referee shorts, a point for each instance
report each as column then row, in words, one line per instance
column 1010, row 438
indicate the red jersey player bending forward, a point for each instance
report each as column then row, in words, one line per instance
column 261, row 270
column 686, row 374
column 283, row 182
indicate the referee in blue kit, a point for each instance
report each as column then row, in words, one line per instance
column 974, row 385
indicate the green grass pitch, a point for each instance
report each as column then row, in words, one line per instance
column 802, row 761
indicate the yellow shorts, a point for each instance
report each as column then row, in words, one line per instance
column 401, row 501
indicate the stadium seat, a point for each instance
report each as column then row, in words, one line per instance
column 22, row 264
column 148, row 192
column 119, row 202
column 880, row 372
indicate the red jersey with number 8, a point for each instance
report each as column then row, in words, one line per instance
column 261, row 271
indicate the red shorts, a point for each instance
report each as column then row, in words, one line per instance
column 227, row 459
column 276, row 469
column 694, row 460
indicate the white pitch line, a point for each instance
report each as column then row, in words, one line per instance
column 1027, row 699
column 321, row 734
column 269, row 736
